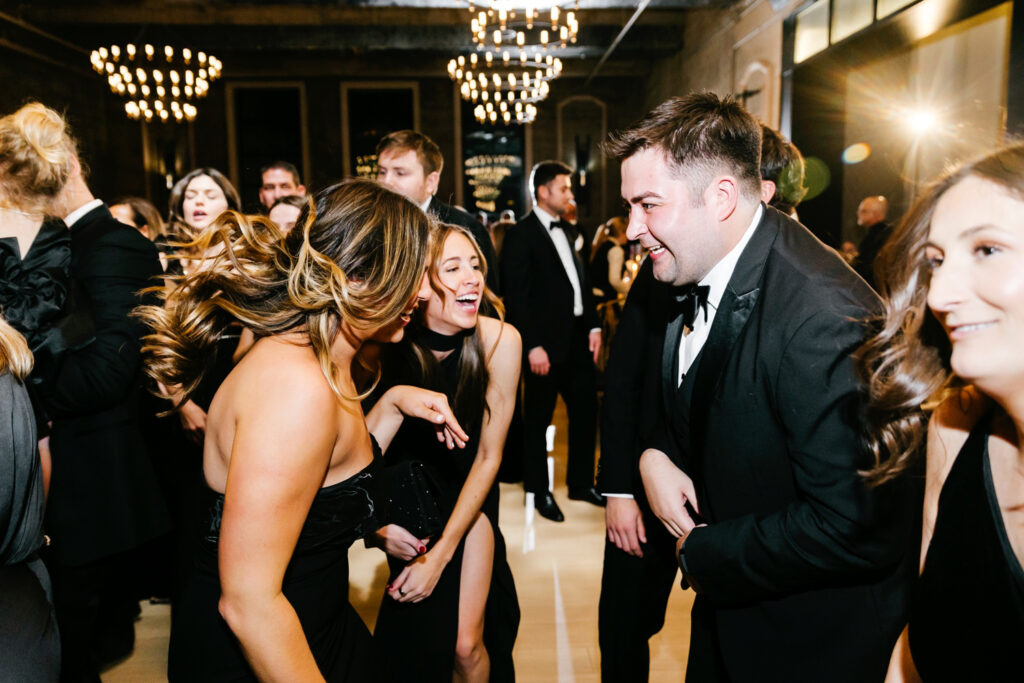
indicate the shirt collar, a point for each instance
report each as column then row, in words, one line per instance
column 426, row 205
column 718, row 279
column 75, row 215
column 546, row 219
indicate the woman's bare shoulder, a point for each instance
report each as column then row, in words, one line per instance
column 950, row 425
column 499, row 334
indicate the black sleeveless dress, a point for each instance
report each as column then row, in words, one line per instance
column 967, row 607
column 203, row 648
column 417, row 641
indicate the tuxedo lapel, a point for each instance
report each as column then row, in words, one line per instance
column 734, row 311
column 670, row 361
column 553, row 250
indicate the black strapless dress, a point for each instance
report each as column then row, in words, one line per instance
column 424, row 634
column 203, row 648
column 967, row 607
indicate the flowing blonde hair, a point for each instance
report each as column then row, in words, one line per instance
column 355, row 259
column 906, row 362
column 15, row 356
column 36, row 158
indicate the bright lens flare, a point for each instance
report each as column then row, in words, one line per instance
column 856, row 153
column 920, row 121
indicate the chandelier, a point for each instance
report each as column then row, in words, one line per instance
column 157, row 86
column 500, row 25
column 508, row 89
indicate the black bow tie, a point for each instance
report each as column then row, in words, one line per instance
column 560, row 224
column 691, row 299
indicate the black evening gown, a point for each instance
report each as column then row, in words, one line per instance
column 417, row 641
column 29, row 644
column 967, row 607
column 203, row 648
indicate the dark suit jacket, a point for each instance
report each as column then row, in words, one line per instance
column 802, row 565
column 104, row 497
column 632, row 384
column 449, row 214
column 538, row 292
column 870, row 245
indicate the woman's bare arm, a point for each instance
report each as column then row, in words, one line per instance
column 417, row 580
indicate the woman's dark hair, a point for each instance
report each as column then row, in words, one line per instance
column 906, row 362
column 357, row 260
column 144, row 214
column 470, row 400
column 176, row 220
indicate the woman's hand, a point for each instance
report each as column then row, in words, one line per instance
column 193, row 421
column 418, row 579
column 398, row 542
column 432, row 407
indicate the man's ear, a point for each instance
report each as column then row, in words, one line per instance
column 724, row 196
column 301, row 189
column 767, row 191
column 433, row 178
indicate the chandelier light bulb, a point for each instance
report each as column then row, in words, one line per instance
column 149, row 51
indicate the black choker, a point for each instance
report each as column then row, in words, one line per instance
column 435, row 341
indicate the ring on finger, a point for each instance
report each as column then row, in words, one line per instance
column 401, row 591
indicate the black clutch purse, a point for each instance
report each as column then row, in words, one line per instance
column 413, row 494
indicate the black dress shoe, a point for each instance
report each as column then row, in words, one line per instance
column 587, row 496
column 547, row 507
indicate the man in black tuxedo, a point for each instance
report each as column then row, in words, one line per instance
column 639, row 559
column 410, row 163
column 104, row 499
column 754, row 460
column 549, row 300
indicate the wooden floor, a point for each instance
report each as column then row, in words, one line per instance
column 558, row 581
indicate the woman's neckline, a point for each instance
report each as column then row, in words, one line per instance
column 439, row 342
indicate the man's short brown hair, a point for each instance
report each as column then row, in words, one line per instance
column 782, row 163
column 427, row 151
column 701, row 134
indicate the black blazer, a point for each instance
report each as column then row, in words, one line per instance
column 632, row 384
column 538, row 292
column 104, row 497
column 450, row 214
column 802, row 566
column 872, row 243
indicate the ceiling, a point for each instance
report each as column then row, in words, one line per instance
column 269, row 38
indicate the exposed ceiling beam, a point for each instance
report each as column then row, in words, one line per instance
column 618, row 39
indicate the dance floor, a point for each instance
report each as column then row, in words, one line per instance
column 558, row 579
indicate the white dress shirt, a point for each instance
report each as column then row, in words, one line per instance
column 716, row 281
column 73, row 217
column 561, row 241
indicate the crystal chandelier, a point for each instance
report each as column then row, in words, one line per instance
column 156, row 86
column 498, row 25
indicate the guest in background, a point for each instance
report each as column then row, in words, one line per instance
column 285, row 211
column 29, row 643
column 953, row 276
column 290, row 483
column 104, row 501
column 279, row 179
column 608, row 261
column 144, row 217
column 410, row 163
column 549, row 300
column 451, row 604
column 871, row 215
column 782, row 172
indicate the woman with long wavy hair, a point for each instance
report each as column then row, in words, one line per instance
column 289, row 461
column 951, row 340
column 451, row 605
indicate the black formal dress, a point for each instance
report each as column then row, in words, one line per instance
column 803, row 568
column 417, row 641
column 104, row 500
column 203, row 648
column 967, row 607
column 539, row 302
column 634, row 590
column 449, row 214
column 599, row 268
column 29, row 644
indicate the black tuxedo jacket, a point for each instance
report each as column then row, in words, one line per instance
column 537, row 291
column 104, row 497
column 872, row 243
column 449, row 214
column 802, row 567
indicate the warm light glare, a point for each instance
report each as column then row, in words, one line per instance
column 921, row 121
